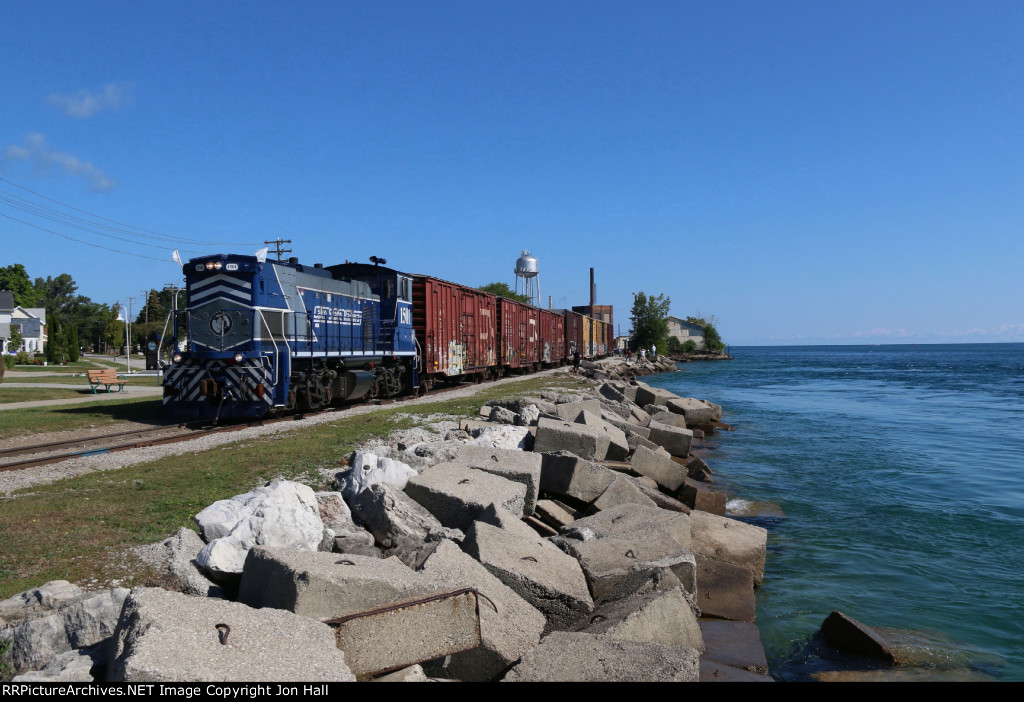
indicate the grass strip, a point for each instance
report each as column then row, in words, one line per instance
column 79, row 529
column 88, row 415
column 72, row 379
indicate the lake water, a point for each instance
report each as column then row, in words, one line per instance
column 899, row 472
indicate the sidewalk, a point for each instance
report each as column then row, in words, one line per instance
column 127, row 394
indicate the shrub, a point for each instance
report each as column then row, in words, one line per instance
column 8, row 362
column 690, row 346
column 22, row 358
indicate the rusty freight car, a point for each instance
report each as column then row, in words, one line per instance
column 457, row 329
column 552, row 338
column 519, row 326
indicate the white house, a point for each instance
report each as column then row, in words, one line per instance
column 31, row 321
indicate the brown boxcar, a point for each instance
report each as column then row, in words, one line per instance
column 573, row 333
column 456, row 327
column 520, row 334
column 552, row 338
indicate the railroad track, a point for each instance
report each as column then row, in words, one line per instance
column 22, row 457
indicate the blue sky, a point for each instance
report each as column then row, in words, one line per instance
column 809, row 172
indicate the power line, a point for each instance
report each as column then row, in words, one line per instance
column 71, row 238
column 150, row 233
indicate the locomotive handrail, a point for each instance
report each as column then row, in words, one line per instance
column 284, row 338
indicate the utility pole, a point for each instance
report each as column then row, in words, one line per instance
column 277, row 247
column 145, row 296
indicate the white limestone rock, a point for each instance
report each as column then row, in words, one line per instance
column 369, row 469
column 284, row 514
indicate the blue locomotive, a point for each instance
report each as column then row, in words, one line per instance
column 262, row 336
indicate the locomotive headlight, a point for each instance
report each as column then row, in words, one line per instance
column 238, row 358
column 176, row 358
column 209, row 265
column 218, row 265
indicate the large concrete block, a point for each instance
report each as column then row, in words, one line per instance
column 456, row 495
column 670, row 418
column 387, row 615
column 675, row 440
column 622, row 491
column 581, row 657
column 508, row 629
column 730, row 540
column 696, row 412
column 586, row 442
column 647, row 395
column 700, row 497
column 518, row 466
column 618, row 447
column 660, row 616
column 568, row 411
column 626, row 519
column 545, row 577
column 724, row 590
column 170, row 637
column 607, row 560
column 565, row 473
column 736, row 644
column 662, row 469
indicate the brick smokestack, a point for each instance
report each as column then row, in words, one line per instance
column 593, row 292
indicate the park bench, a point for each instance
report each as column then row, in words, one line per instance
column 107, row 378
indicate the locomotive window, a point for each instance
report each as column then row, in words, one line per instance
column 389, row 288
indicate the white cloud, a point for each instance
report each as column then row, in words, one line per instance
column 86, row 103
column 34, row 149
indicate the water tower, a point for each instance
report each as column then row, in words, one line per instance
column 527, row 273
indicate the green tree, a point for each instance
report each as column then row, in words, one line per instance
column 503, row 290
column 650, row 326
column 73, row 345
column 14, row 343
column 15, row 278
column 712, row 339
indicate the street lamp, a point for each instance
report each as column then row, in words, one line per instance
column 122, row 317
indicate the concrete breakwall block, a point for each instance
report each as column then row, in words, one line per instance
column 647, row 395
column 503, row 519
column 697, row 469
column 586, row 442
column 582, row 657
column 401, row 634
column 660, row 616
column 670, row 418
column 518, row 466
column 660, row 468
column 369, row 469
column 736, row 644
column 215, row 640
column 387, row 615
column 674, row 440
column 659, row 498
column 850, row 635
column 392, row 516
column 502, row 415
column 618, row 447
column 283, row 513
column 731, row 541
column 548, row 579
column 509, row 625
column 613, row 392
column 622, row 491
column 504, row 436
column 700, row 497
column 457, row 494
column 625, row 519
column 568, row 474
column 553, row 514
column 696, row 412
column 607, row 560
column 724, row 590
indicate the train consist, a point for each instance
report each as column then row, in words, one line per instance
column 257, row 337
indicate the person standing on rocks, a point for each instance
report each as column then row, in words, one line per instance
column 575, row 360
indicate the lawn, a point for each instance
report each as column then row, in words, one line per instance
column 78, row 529
column 39, row 420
